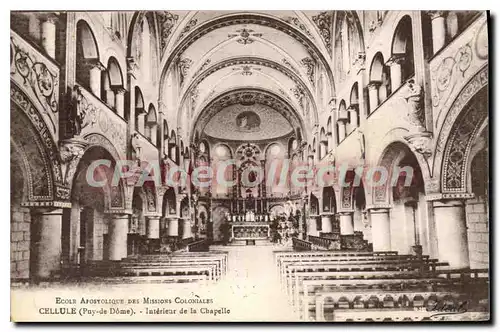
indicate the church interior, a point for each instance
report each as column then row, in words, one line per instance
column 256, row 94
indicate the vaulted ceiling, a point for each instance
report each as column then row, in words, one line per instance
column 283, row 54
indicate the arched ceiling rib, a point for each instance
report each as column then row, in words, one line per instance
column 247, row 96
column 216, row 53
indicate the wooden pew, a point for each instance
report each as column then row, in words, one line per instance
column 377, row 305
column 301, row 245
column 188, row 266
column 198, row 246
column 306, row 303
column 326, row 243
column 365, row 270
column 283, row 256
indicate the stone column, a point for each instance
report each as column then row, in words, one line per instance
column 173, row 226
column 109, row 95
column 47, row 245
column 342, row 119
column 34, row 26
column 48, row 28
column 312, row 228
column 186, row 228
column 438, row 29
column 120, row 101
column 353, row 111
column 95, row 77
column 346, row 223
column 373, row 95
column 451, row 229
column 381, row 229
column 131, row 69
column 396, row 75
column 342, row 131
column 153, row 227
column 326, row 223
column 118, row 231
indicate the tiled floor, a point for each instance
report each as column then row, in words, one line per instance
column 253, row 285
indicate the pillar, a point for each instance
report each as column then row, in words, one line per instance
column 326, row 223
column 131, row 89
column 95, row 77
column 373, row 95
column 109, row 95
column 117, row 233
column 438, row 30
column 153, row 227
column 120, row 101
column 173, row 226
column 311, row 226
column 381, row 229
column 451, row 229
column 47, row 245
column 382, row 92
column 34, row 26
column 346, row 223
column 342, row 131
column 353, row 111
column 48, row 28
column 186, row 228
column 394, row 64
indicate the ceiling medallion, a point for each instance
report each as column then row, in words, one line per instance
column 245, row 36
column 247, row 99
column 324, row 21
column 246, row 70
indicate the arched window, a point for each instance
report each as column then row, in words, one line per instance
column 151, row 124
column 139, row 110
column 380, row 86
column 172, row 145
column 348, row 42
column 354, row 107
column 292, row 145
column 165, row 138
column 88, row 66
column 145, row 58
column 112, row 92
column 329, row 133
column 402, row 60
column 323, row 143
column 221, row 154
column 342, row 119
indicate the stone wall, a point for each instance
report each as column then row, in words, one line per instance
column 478, row 232
column 19, row 241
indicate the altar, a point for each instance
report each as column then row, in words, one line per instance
column 250, row 227
column 250, row 231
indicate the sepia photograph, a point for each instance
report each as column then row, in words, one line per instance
column 313, row 166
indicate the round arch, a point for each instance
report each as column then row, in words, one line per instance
column 247, row 18
column 474, row 92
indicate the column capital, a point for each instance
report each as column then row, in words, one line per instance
column 378, row 208
column 47, row 211
column 396, row 59
column 449, row 196
column 373, row 85
column 94, row 64
column 50, row 17
column 132, row 66
column 345, row 213
column 353, row 107
column 446, row 203
column 153, row 216
column 433, row 14
column 118, row 214
column 119, row 90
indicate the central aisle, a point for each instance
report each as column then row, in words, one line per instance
column 252, row 285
